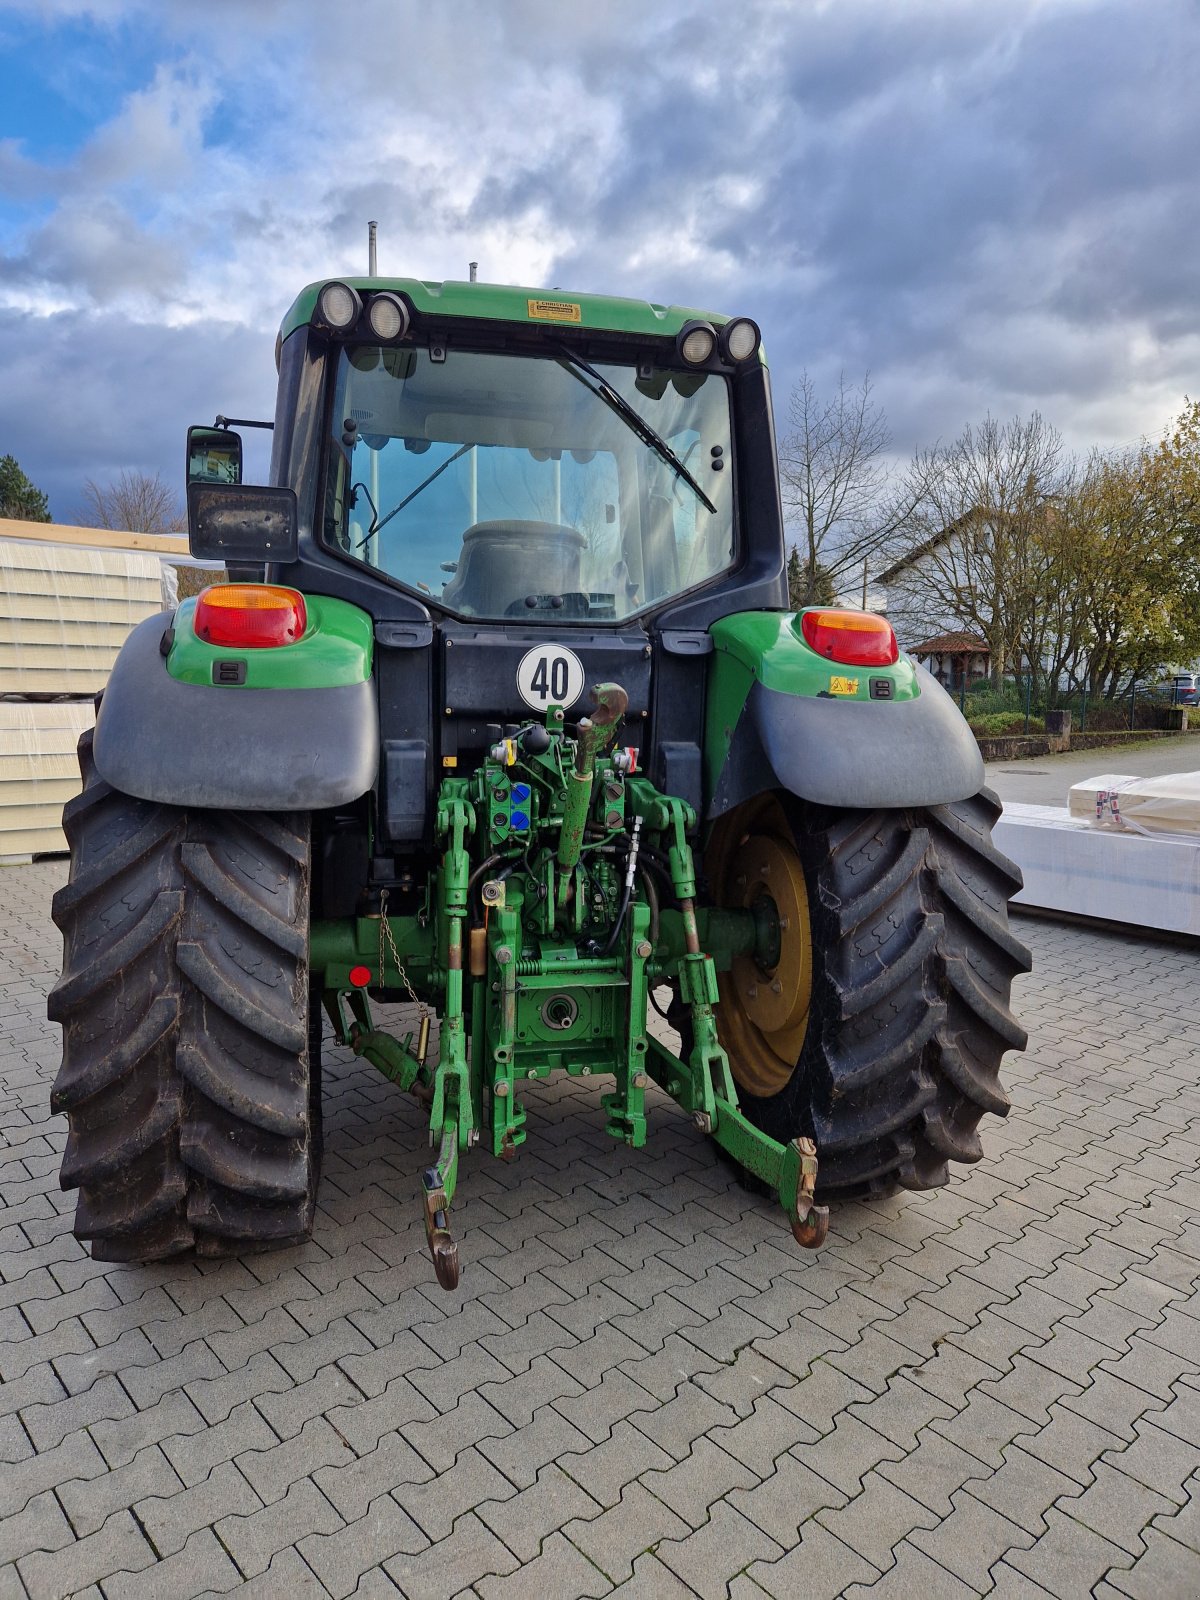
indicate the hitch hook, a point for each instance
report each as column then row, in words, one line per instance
column 810, row 1223
column 443, row 1247
column 438, row 1185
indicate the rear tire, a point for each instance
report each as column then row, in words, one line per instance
column 188, row 1072
column 908, row 979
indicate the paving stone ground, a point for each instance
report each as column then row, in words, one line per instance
column 641, row 1386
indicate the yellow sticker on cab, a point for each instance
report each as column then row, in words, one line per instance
column 843, row 685
column 555, row 311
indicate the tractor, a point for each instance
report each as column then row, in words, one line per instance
column 499, row 710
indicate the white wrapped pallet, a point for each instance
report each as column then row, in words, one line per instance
column 1071, row 865
column 1168, row 804
column 39, row 772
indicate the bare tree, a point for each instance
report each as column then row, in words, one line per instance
column 834, row 479
column 133, row 502
column 975, row 533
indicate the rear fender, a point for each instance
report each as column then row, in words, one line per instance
column 299, row 732
column 780, row 716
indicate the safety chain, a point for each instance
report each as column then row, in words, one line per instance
column 387, row 946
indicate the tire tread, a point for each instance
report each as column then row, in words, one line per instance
column 910, row 1014
column 190, row 1062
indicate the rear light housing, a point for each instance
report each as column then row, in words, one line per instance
column 250, row 616
column 853, row 638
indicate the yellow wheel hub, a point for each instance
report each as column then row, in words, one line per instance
column 763, row 1014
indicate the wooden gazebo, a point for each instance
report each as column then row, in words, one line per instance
column 955, row 659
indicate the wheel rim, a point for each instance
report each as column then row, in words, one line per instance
column 763, row 1015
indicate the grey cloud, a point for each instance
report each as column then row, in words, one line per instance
column 85, row 395
column 97, row 250
column 987, row 205
column 21, row 178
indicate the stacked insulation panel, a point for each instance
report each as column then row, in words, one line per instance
column 39, row 772
column 67, row 605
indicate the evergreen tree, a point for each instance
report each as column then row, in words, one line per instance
column 19, row 498
column 795, row 580
column 808, row 587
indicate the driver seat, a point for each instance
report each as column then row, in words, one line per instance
column 502, row 562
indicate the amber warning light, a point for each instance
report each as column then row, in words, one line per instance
column 855, row 638
column 250, row 616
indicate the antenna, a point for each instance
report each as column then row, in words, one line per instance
column 473, row 266
column 372, row 263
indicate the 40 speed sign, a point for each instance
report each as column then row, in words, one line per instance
column 550, row 675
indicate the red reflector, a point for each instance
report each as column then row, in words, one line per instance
column 249, row 616
column 360, row 977
column 856, row 638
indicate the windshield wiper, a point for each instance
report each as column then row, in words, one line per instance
column 632, row 419
column 382, row 522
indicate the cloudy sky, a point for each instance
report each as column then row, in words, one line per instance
column 992, row 205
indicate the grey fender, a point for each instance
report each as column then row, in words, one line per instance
column 862, row 753
column 185, row 744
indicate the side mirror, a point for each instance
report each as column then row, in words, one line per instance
column 214, row 455
column 242, row 526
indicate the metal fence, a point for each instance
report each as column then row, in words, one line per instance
column 1020, row 706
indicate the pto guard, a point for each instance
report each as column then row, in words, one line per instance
column 177, row 743
column 782, row 717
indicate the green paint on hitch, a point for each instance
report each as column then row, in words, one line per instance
column 768, row 646
column 336, row 649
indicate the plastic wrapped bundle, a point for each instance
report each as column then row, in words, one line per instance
column 1165, row 805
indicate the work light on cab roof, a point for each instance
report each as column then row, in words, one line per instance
column 338, row 307
column 387, row 317
column 855, row 638
column 696, row 342
column 740, row 340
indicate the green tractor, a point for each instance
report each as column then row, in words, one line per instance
column 502, row 712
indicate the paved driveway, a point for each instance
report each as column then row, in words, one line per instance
column 641, row 1386
column 1045, row 780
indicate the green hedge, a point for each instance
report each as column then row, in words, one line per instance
column 997, row 724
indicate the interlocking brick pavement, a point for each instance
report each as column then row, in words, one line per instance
column 640, row 1387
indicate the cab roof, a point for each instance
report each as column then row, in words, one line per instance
column 512, row 303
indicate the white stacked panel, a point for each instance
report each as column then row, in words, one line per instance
column 39, row 772
column 65, row 611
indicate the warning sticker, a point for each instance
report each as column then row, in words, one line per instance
column 843, row 685
column 555, row 311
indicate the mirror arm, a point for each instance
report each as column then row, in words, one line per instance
column 240, row 422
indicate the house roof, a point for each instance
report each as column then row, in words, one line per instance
column 911, row 557
column 951, row 644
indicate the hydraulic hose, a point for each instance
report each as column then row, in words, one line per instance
column 630, row 875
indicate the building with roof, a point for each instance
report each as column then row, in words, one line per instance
column 955, row 659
